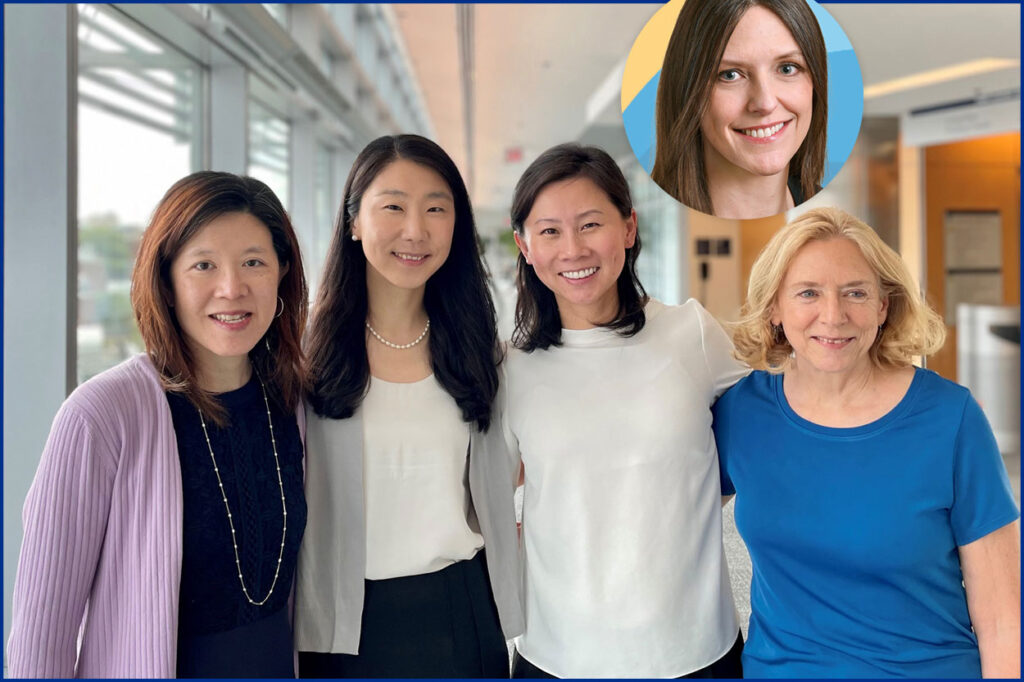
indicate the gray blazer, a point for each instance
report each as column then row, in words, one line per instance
column 332, row 560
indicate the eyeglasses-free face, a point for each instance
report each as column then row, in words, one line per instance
column 405, row 222
column 224, row 281
column 761, row 101
column 576, row 241
column 830, row 307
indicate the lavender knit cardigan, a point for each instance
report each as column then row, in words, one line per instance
column 101, row 555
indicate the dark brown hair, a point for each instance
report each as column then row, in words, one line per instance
column 463, row 342
column 538, row 322
column 684, row 93
column 189, row 205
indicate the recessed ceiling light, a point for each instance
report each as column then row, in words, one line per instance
column 933, row 76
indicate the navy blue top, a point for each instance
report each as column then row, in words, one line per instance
column 220, row 634
column 853, row 532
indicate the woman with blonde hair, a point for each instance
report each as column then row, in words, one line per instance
column 871, row 493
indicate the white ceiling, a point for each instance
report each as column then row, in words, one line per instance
column 537, row 65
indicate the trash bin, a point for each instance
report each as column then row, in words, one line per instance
column 988, row 363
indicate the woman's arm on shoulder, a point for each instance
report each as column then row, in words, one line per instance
column 65, row 518
column 723, row 367
column 991, row 570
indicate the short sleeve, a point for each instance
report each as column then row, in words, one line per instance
column 982, row 496
column 719, row 412
column 723, row 368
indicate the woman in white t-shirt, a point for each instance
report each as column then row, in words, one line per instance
column 392, row 577
column 607, row 403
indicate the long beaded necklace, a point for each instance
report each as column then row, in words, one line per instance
column 398, row 346
column 231, row 523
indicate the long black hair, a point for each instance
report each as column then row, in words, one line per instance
column 538, row 323
column 463, row 342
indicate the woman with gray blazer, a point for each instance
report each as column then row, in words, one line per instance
column 404, row 481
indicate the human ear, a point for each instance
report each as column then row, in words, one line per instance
column 524, row 248
column 631, row 229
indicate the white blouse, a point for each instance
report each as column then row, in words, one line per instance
column 415, row 453
column 625, row 574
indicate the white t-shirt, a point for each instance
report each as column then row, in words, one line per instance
column 625, row 574
column 415, row 449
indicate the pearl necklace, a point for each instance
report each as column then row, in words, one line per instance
column 231, row 523
column 398, row 346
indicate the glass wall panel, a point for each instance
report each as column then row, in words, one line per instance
column 324, row 206
column 138, row 132
column 269, row 157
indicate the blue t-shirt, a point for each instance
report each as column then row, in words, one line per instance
column 853, row 532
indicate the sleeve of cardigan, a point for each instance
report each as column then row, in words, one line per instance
column 64, row 517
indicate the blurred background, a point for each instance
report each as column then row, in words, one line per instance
column 107, row 105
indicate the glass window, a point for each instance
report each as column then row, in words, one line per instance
column 268, row 149
column 279, row 11
column 138, row 132
column 323, row 216
column 658, row 265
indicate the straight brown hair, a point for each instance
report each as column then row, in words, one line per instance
column 684, row 93
column 188, row 206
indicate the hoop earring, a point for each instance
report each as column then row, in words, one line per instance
column 279, row 312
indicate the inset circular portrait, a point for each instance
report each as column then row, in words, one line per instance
column 742, row 108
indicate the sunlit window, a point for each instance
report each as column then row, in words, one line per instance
column 324, row 207
column 279, row 11
column 268, row 149
column 138, row 132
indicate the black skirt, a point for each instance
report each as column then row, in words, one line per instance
column 441, row 624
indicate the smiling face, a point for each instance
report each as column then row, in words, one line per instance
column 405, row 222
column 761, row 100
column 224, row 280
column 830, row 307
column 576, row 240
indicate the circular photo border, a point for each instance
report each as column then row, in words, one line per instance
column 643, row 70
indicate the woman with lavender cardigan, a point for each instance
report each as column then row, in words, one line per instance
column 133, row 564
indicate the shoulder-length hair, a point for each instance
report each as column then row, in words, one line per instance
column 684, row 93
column 911, row 327
column 538, row 323
column 463, row 340
column 188, row 206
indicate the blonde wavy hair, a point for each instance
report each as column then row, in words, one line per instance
column 911, row 327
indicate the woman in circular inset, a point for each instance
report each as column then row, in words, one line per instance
column 164, row 521
column 870, row 493
column 742, row 107
column 393, row 576
column 607, row 405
